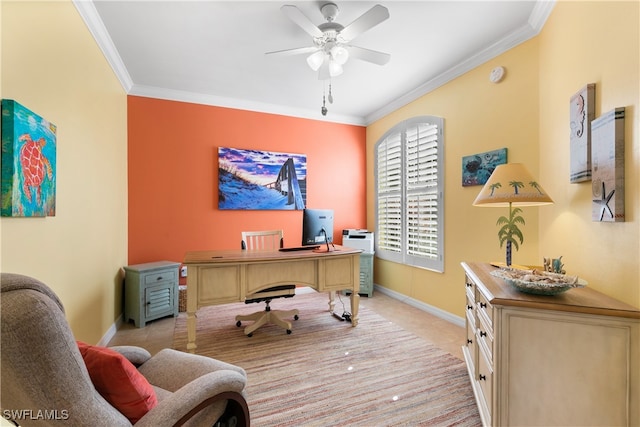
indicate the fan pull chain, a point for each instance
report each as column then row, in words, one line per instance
column 330, row 95
column 323, row 110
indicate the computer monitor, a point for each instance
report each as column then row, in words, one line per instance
column 317, row 226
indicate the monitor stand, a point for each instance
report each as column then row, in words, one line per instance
column 326, row 247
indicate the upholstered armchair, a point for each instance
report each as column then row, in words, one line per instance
column 47, row 379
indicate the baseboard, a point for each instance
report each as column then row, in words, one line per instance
column 111, row 332
column 438, row 312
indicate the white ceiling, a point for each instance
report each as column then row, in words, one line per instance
column 213, row 52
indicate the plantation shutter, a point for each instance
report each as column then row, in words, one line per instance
column 389, row 208
column 422, row 190
column 409, row 183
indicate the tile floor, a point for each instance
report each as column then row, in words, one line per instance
column 158, row 334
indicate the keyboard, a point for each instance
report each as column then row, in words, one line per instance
column 299, row 248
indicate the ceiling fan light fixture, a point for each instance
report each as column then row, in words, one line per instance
column 315, row 60
column 331, row 48
column 340, row 54
column 335, row 69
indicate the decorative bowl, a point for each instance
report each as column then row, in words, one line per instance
column 538, row 282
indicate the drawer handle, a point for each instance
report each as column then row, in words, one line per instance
column 482, row 377
column 483, row 334
column 159, row 278
column 469, row 285
column 148, row 302
column 469, row 341
column 483, row 305
column 469, row 307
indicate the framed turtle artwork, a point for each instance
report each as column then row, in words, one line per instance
column 28, row 172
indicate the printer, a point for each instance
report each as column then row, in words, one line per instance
column 358, row 239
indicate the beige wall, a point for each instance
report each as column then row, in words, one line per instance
column 52, row 65
column 479, row 116
column 528, row 113
column 591, row 42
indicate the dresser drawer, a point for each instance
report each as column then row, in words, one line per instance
column 484, row 337
column 470, row 307
column 485, row 380
column 470, row 289
column 484, row 309
column 161, row 276
column 471, row 342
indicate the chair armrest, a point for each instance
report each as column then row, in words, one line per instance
column 135, row 355
column 171, row 369
column 195, row 396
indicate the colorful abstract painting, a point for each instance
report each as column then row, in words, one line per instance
column 261, row 180
column 477, row 168
column 28, row 174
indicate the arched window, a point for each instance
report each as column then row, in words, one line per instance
column 409, row 171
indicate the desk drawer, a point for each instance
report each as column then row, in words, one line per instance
column 262, row 275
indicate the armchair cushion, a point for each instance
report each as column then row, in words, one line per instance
column 118, row 381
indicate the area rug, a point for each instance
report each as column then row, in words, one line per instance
column 327, row 373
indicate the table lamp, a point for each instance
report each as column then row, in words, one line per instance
column 511, row 185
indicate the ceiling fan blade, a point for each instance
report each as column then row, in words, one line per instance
column 368, row 55
column 295, row 51
column 368, row 20
column 295, row 15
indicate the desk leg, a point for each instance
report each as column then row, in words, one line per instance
column 191, row 332
column 355, row 304
column 332, row 301
column 192, row 306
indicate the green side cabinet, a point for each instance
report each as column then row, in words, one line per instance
column 366, row 275
column 150, row 291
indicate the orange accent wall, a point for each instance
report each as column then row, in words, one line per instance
column 173, row 175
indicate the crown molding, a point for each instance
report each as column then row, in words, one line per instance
column 240, row 104
column 95, row 25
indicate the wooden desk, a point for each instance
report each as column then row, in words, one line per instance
column 221, row 277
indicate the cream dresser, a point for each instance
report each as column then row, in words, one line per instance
column 566, row 360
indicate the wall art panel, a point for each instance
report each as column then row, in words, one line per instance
column 261, row 180
column 607, row 160
column 28, row 171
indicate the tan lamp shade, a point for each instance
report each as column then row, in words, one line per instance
column 512, row 183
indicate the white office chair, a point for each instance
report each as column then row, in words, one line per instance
column 261, row 241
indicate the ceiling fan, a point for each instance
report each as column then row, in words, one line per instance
column 331, row 41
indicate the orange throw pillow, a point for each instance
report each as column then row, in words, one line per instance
column 118, row 381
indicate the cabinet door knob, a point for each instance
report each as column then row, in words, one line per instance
column 482, row 377
column 469, row 285
column 469, row 341
column 483, row 305
column 469, row 307
column 483, row 334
